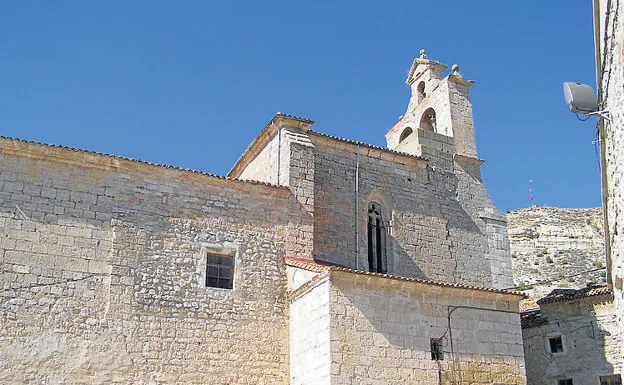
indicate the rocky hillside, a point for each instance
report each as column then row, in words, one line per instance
column 550, row 243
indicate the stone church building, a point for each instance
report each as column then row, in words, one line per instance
column 317, row 260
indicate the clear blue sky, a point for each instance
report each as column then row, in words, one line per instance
column 191, row 83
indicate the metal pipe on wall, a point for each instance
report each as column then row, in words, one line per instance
column 357, row 206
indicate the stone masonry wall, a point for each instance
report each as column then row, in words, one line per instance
column 611, row 43
column 381, row 330
column 461, row 115
column 591, row 342
column 103, row 271
column 310, row 360
column 437, row 226
column 264, row 166
column 437, row 97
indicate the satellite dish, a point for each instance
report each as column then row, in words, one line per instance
column 580, row 98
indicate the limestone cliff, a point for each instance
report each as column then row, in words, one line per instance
column 553, row 243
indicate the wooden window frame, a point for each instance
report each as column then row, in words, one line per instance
column 220, row 275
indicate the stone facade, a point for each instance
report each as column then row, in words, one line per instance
column 103, row 271
column 106, row 261
column 378, row 330
column 585, row 321
column 442, row 223
column 609, row 39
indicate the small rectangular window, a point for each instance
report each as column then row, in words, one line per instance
column 556, row 345
column 436, row 349
column 614, row 379
column 219, row 270
column 565, row 381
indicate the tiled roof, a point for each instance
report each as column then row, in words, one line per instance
column 320, row 266
column 362, row 144
column 531, row 317
column 16, row 140
column 561, row 295
column 299, row 118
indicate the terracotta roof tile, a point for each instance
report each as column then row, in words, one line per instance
column 16, row 140
column 320, row 266
column 561, row 295
column 384, row 149
column 299, row 118
column 531, row 317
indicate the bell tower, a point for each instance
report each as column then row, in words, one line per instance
column 438, row 122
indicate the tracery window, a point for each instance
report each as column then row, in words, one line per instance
column 376, row 240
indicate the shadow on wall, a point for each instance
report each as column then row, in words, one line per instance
column 582, row 353
column 383, row 318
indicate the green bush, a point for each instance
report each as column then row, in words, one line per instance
column 564, row 261
column 598, row 264
column 549, row 259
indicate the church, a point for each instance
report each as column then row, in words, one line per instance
column 316, row 260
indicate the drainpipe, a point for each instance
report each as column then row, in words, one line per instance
column 279, row 152
column 357, row 206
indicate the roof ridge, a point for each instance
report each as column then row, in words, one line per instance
column 585, row 292
column 359, row 143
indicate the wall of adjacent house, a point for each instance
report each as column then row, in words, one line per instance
column 381, row 331
column 590, row 337
column 310, row 360
column 438, row 218
column 103, row 272
column 611, row 43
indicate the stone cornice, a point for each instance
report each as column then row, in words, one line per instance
column 468, row 159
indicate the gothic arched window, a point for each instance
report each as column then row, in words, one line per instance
column 376, row 239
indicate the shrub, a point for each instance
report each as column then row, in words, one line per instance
column 598, row 264
column 564, row 261
column 549, row 259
